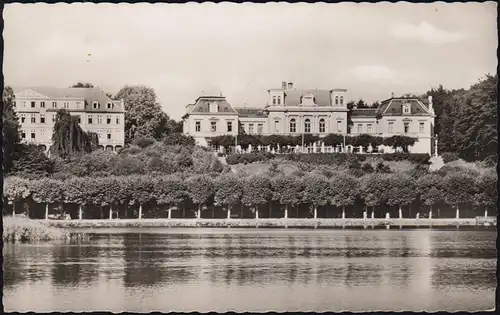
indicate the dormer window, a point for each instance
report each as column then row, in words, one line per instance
column 213, row 107
column 341, row 100
column 336, row 100
column 279, row 100
column 109, row 105
column 95, row 105
column 274, row 100
column 406, row 109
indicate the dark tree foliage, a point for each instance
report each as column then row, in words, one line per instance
column 68, row 137
column 83, row 85
column 10, row 129
column 32, row 162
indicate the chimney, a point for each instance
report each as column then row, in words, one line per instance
column 290, row 85
column 392, row 95
column 283, row 85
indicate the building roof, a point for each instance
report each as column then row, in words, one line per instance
column 202, row 105
column 364, row 112
column 251, row 112
column 394, row 106
column 321, row 97
column 89, row 95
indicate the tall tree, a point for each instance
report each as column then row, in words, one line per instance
column 68, row 137
column 10, row 128
column 144, row 116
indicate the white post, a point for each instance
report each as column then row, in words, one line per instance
column 169, row 213
column 430, row 213
column 257, row 212
column 249, row 148
column 46, row 211
column 485, row 213
column 314, row 147
column 458, row 214
column 400, row 212
column 322, row 147
column 140, row 211
column 315, row 213
column 373, row 214
column 198, row 214
column 228, row 212
column 387, row 215
column 110, row 212
column 343, row 212
column 286, row 211
column 364, row 215
column 80, row 213
column 418, row 216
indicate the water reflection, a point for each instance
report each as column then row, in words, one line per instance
column 280, row 269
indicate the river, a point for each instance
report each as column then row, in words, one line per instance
column 162, row 269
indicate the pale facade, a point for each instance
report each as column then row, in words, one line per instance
column 291, row 111
column 37, row 107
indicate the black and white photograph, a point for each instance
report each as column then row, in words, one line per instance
column 249, row 157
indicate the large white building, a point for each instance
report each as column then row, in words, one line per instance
column 36, row 109
column 291, row 111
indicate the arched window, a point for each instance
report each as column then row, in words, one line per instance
column 341, row 100
column 293, row 126
column 307, row 125
column 336, row 100
column 322, row 125
column 274, row 100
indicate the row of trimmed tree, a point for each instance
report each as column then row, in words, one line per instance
column 229, row 191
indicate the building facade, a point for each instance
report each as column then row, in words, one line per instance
column 36, row 108
column 291, row 111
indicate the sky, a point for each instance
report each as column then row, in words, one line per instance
column 184, row 51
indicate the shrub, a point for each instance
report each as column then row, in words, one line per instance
column 245, row 158
column 17, row 229
column 179, row 139
column 367, row 168
column 449, row 157
column 143, row 142
column 417, row 158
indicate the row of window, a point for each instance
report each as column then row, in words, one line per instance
column 42, row 120
column 33, row 133
column 307, row 125
column 390, row 129
column 95, row 105
column 213, row 126
column 276, row 100
column 339, row 100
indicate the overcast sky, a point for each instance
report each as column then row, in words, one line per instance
column 241, row 50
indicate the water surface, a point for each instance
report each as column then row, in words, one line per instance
column 162, row 269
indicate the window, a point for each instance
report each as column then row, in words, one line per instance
column 78, row 104
column 322, row 125
column 108, row 119
column 89, row 119
column 197, row 126
column 360, row 128
column 66, row 104
column 95, row 105
column 293, row 125
column 42, row 104
column 339, row 126
column 32, row 104
column 274, row 100
column 279, row 100
column 117, row 120
column 259, row 128
column 406, row 109
column 99, row 119
column 341, row 100
column 109, row 136
column 42, row 118
column 54, row 104
column 23, row 118
column 23, row 104
column 336, row 100
column 33, row 135
column 421, row 127
column 213, row 107
column 23, row 135
column 33, row 119
column 369, row 128
column 108, row 105
column 391, row 125
column 213, row 126
column 53, row 117
column 229, row 126
column 307, row 125
column 250, row 128
column 407, row 127
column 276, row 126
column 79, row 119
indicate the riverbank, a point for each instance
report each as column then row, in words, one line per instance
column 22, row 229
column 305, row 223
